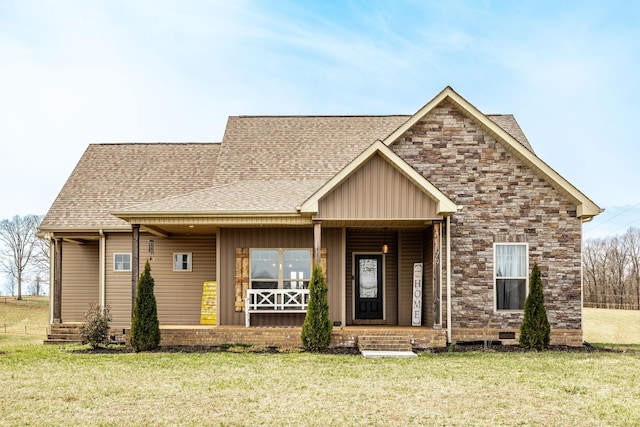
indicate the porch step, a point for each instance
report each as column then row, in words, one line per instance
column 64, row 333
column 384, row 343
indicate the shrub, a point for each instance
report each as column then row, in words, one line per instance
column 95, row 329
column 535, row 331
column 316, row 329
column 145, row 328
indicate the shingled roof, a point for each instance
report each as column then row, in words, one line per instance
column 273, row 162
column 109, row 177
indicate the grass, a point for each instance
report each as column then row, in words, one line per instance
column 51, row 385
column 24, row 321
column 614, row 327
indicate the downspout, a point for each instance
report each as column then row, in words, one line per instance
column 102, row 292
column 448, row 279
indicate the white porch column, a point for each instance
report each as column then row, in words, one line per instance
column 102, row 294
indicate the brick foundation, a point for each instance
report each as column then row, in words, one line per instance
column 568, row 337
column 210, row 336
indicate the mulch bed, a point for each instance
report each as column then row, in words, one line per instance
column 458, row 348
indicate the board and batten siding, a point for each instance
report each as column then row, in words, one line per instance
column 80, row 275
column 178, row 293
column 285, row 238
column 409, row 252
column 377, row 190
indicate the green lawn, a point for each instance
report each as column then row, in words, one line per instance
column 51, row 385
column 24, row 321
column 611, row 326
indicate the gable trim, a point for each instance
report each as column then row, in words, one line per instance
column 445, row 206
column 585, row 207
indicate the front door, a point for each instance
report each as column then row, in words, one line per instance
column 368, row 284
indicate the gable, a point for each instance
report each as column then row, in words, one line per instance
column 443, row 205
column 585, row 207
column 377, row 190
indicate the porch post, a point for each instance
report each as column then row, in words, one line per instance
column 437, row 275
column 135, row 262
column 448, row 231
column 317, row 234
column 57, row 280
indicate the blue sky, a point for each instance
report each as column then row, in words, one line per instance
column 78, row 72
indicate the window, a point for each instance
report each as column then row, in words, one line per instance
column 182, row 262
column 511, row 264
column 280, row 268
column 121, row 262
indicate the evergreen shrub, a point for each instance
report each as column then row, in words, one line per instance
column 535, row 331
column 145, row 328
column 316, row 329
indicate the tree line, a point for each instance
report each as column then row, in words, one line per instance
column 611, row 271
column 24, row 258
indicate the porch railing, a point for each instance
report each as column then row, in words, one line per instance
column 275, row 301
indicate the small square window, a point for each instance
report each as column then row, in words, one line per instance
column 121, row 262
column 182, row 261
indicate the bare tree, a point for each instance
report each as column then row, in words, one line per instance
column 19, row 245
column 10, row 286
column 632, row 246
column 612, row 271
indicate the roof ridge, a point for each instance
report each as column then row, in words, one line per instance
column 339, row 116
column 156, row 143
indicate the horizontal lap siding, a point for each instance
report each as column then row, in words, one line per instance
column 118, row 284
column 178, row 294
column 80, row 268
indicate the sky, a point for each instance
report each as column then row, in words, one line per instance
column 79, row 72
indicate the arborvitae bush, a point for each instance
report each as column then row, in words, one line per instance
column 95, row 329
column 316, row 330
column 145, row 328
column 535, row 331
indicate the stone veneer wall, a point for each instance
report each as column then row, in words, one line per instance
column 502, row 200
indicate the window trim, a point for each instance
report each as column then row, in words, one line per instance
column 495, row 276
column 281, row 280
column 189, row 261
column 118, row 270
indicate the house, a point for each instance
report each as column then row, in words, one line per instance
column 449, row 199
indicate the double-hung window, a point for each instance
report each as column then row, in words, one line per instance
column 280, row 268
column 511, row 266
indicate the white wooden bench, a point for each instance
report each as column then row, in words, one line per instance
column 275, row 301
